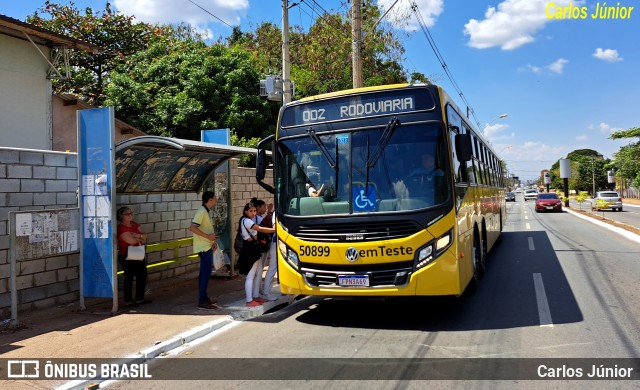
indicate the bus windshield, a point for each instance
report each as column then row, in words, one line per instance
column 394, row 168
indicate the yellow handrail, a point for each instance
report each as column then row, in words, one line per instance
column 175, row 245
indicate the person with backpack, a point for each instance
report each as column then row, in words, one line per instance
column 250, row 255
column 262, row 218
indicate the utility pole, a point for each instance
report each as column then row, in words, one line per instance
column 286, row 72
column 356, row 45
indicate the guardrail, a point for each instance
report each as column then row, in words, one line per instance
column 168, row 245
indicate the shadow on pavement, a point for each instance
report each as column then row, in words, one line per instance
column 506, row 297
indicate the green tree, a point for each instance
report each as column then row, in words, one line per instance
column 590, row 168
column 321, row 57
column 586, row 165
column 117, row 34
column 179, row 89
column 627, row 158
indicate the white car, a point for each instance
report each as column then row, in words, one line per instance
column 530, row 194
column 613, row 199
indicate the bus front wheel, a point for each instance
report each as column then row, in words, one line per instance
column 479, row 265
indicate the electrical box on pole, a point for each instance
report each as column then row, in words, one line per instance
column 271, row 88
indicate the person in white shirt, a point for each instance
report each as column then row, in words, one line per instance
column 248, row 261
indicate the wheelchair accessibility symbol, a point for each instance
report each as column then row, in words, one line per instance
column 364, row 200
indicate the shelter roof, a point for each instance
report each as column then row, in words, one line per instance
column 152, row 164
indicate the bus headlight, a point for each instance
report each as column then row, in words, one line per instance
column 288, row 254
column 443, row 242
column 425, row 256
column 433, row 249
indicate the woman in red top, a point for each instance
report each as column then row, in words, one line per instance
column 130, row 233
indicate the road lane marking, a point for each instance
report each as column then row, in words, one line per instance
column 564, row 345
column 531, row 246
column 527, row 226
column 543, row 305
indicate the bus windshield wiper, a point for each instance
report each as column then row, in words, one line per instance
column 312, row 134
column 384, row 140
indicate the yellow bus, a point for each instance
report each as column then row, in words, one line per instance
column 382, row 191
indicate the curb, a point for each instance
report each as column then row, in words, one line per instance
column 631, row 236
column 182, row 339
column 156, row 350
column 239, row 310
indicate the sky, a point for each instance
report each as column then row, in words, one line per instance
column 565, row 80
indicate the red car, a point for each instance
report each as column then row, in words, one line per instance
column 548, row 202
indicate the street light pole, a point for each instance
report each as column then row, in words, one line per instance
column 484, row 131
column 506, row 147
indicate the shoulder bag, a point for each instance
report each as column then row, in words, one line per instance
column 136, row 252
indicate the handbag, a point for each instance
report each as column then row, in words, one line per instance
column 238, row 242
column 264, row 242
column 136, row 252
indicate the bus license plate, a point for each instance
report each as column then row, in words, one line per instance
column 353, row 280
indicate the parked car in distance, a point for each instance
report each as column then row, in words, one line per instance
column 510, row 197
column 548, row 202
column 613, row 199
column 530, row 194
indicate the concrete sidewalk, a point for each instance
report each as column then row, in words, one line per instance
column 170, row 320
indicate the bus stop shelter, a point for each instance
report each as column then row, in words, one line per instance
column 161, row 165
column 151, row 164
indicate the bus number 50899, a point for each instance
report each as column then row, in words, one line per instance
column 312, row 250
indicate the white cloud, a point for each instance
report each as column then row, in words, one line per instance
column 403, row 17
column 172, row 11
column 526, row 160
column 581, row 138
column 609, row 55
column 558, row 66
column 529, row 67
column 606, row 129
column 513, row 24
column 494, row 132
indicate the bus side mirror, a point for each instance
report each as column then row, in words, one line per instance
column 261, row 163
column 261, row 158
column 463, row 146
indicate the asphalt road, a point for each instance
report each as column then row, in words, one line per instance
column 630, row 213
column 557, row 287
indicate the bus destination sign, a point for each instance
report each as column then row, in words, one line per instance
column 359, row 106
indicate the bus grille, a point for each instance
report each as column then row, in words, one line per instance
column 324, row 275
column 360, row 231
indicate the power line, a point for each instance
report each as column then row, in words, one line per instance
column 385, row 14
column 440, row 59
column 210, row 13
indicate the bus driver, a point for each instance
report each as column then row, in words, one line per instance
column 427, row 171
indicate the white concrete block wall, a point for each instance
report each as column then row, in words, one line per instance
column 37, row 180
column 244, row 187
